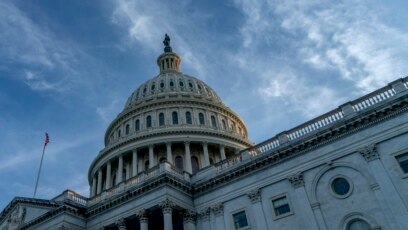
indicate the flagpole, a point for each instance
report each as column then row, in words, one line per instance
column 39, row 170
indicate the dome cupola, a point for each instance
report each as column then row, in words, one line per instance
column 168, row 61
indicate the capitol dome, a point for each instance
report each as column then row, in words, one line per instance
column 172, row 117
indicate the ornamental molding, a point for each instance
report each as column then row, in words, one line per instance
column 297, row 180
column 142, row 215
column 121, row 224
column 204, row 214
column 218, row 209
column 189, row 216
column 255, row 195
column 167, row 206
column 369, row 153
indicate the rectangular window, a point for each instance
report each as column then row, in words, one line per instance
column 281, row 206
column 403, row 162
column 240, row 220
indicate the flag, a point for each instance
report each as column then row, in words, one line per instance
column 47, row 139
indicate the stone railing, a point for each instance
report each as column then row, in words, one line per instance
column 322, row 122
column 75, row 197
column 154, row 172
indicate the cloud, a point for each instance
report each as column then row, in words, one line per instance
column 108, row 112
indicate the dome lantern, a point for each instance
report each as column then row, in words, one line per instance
column 168, row 61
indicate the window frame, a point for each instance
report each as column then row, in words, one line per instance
column 235, row 212
column 199, row 118
column 403, row 174
column 334, row 193
column 274, row 198
column 189, row 119
column 148, row 122
column 173, row 118
column 162, row 120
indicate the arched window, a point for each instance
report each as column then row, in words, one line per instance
column 161, row 119
column 190, row 84
column 153, row 86
column 127, row 129
column 358, row 224
column 188, row 118
column 179, row 162
column 146, row 165
column 213, row 121
column 137, row 125
column 171, row 83
column 148, row 121
column 194, row 164
column 224, row 125
column 201, row 118
column 144, row 90
column 119, row 133
column 174, row 117
column 181, row 83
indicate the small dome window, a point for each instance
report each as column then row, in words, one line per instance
column 188, row 118
column 190, row 84
column 137, row 125
column 144, row 90
column 199, row 86
column 201, row 118
column 171, row 83
column 213, row 121
column 161, row 119
column 181, row 83
column 162, row 84
column 153, row 86
column 127, row 129
column 174, row 116
column 149, row 121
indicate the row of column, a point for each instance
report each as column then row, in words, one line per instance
column 97, row 179
column 167, row 206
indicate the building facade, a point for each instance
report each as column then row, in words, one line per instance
column 176, row 157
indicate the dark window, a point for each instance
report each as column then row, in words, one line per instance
column 174, row 117
column 153, row 86
column 213, row 121
column 224, row 125
column 194, row 164
column 171, row 83
column 181, row 84
column 190, row 85
column 137, row 125
column 144, row 90
column 201, row 118
column 188, row 118
column 240, row 220
column 161, row 84
column 119, row 133
column 340, row 186
column 281, row 206
column 403, row 162
column 146, row 165
column 179, row 162
column 148, row 121
column 161, row 119
column 127, row 129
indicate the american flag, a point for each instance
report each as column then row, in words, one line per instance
column 47, row 139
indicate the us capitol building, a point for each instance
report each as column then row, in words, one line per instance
column 177, row 158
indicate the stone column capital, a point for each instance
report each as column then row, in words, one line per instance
column 187, row 143
column 142, row 215
column 168, row 143
column 189, row 216
column 369, row 153
column 167, row 206
column 297, row 180
column 218, row 209
column 121, row 224
column 204, row 214
column 204, row 143
column 255, row 195
column 151, row 146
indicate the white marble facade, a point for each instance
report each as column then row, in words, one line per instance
column 177, row 158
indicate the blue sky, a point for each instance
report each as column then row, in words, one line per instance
column 68, row 67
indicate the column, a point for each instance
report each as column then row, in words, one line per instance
column 187, row 157
column 121, row 224
column 93, row 188
column 205, row 218
column 298, row 184
column 169, row 153
column 397, row 213
column 167, row 209
column 206, row 157
column 222, row 152
column 144, row 221
column 151, row 157
column 99, row 189
column 120, row 170
column 189, row 220
column 134, row 162
column 257, row 210
column 218, row 210
column 108, row 175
